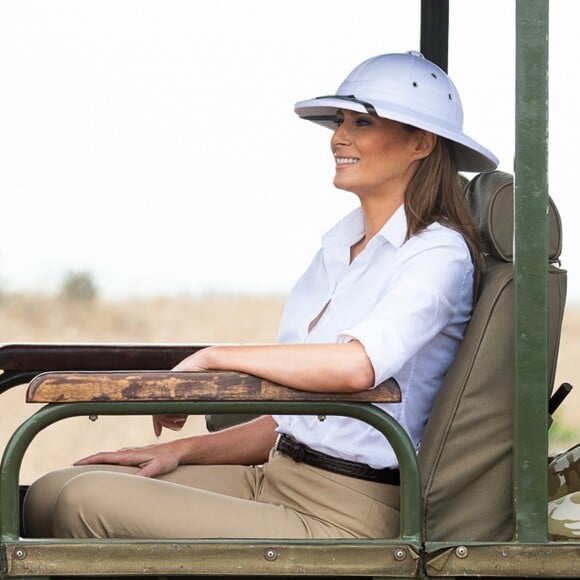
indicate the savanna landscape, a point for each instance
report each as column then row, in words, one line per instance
column 184, row 319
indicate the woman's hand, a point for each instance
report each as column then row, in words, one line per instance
column 173, row 422
column 333, row 367
column 152, row 460
column 192, row 363
column 196, row 362
column 246, row 444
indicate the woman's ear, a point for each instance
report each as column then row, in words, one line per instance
column 424, row 144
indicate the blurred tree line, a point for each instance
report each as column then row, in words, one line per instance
column 79, row 286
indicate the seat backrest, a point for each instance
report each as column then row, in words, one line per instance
column 466, row 457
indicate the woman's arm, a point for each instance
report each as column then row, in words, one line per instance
column 247, row 444
column 343, row 367
column 308, row 367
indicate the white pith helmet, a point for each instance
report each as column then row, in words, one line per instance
column 409, row 89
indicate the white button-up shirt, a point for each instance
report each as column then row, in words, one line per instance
column 407, row 302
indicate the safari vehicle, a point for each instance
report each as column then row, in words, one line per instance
column 474, row 502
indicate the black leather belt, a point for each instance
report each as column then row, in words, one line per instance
column 303, row 454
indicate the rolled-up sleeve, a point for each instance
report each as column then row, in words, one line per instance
column 432, row 285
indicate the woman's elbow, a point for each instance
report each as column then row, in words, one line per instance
column 361, row 375
column 362, row 382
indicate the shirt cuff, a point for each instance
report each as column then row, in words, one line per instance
column 384, row 350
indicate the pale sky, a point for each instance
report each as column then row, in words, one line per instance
column 154, row 143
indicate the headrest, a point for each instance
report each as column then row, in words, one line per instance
column 490, row 199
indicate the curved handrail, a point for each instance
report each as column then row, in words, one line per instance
column 410, row 529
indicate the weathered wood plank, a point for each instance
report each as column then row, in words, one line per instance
column 63, row 387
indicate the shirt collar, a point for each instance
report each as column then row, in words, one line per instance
column 350, row 229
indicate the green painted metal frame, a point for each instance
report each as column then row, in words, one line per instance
column 410, row 531
column 531, row 275
column 531, row 241
column 212, row 559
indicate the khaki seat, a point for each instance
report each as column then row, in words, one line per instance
column 466, row 458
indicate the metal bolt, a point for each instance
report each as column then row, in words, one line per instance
column 400, row 554
column 461, row 552
column 20, row 553
column 93, row 418
column 270, row 554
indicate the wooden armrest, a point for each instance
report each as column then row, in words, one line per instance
column 92, row 357
column 183, row 386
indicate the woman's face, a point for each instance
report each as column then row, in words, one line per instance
column 376, row 156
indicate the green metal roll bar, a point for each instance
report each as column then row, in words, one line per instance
column 531, row 276
column 530, row 250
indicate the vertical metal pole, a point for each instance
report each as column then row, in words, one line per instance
column 435, row 31
column 531, row 277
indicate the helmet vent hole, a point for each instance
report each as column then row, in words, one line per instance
column 415, row 84
column 433, row 75
column 450, row 97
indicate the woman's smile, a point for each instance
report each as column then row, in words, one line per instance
column 344, row 161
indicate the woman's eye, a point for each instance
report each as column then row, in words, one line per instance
column 356, row 122
column 362, row 122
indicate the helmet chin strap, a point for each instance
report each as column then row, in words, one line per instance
column 370, row 109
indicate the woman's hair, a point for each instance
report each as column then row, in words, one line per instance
column 435, row 194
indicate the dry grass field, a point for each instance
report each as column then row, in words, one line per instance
column 204, row 320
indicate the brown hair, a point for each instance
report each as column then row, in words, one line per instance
column 435, row 194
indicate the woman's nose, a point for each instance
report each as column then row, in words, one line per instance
column 340, row 136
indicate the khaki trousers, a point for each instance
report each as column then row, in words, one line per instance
column 281, row 499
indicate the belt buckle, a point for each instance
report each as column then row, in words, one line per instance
column 292, row 448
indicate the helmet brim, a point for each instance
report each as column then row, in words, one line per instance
column 470, row 155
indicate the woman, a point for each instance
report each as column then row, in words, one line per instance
column 388, row 295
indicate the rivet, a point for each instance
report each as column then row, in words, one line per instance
column 400, row 554
column 93, row 418
column 270, row 554
column 461, row 552
column 20, row 553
